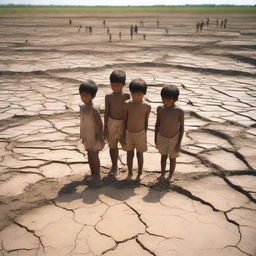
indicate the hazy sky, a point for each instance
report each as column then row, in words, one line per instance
column 127, row 2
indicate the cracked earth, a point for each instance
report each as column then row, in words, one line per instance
column 46, row 209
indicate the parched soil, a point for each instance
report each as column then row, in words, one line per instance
column 45, row 206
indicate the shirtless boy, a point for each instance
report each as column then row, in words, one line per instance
column 113, row 119
column 169, row 128
column 136, row 113
column 91, row 128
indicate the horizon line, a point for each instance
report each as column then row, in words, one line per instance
column 158, row 5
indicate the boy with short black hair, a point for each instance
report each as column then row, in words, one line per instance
column 113, row 118
column 136, row 113
column 169, row 128
column 91, row 128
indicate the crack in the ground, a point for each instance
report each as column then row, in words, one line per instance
column 30, row 231
column 188, row 194
column 75, row 242
column 231, row 246
column 144, row 247
column 139, row 64
column 239, row 189
column 237, row 113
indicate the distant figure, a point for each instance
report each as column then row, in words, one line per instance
column 197, row 26
column 136, row 29
column 79, row 29
column 144, row 36
column 142, row 23
column 120, row 35
column 90, row 29
column 201, row 25
column 221, row 24
column 110, row 38
column 217, row 22
column 225, row 23
column 207, row 22
column 131, row 31
column 104, row 23
column 166, row 31
column 108, row 30
column 26, row 41
column 157, row 23
column 70, row 22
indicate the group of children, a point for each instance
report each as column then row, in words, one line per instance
column 126, row 122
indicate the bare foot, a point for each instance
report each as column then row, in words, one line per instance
column 161, row 177
column 88, row 178
column 139, row 177
column 129, row 177
column 170, row 179
column 113, row 172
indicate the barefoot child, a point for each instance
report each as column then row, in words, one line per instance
column 91, row 128
column 169, row 128
column 113, row 119
column 136, row 113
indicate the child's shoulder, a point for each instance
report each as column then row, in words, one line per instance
column 160, row 108
column 146, row 104
column 123, row 94
column 179, row 108
column 129, row 101
column 96, row 108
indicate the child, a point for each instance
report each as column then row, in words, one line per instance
column 136, row 113
column 113, row 119
column 169, row 128
column 91, row 128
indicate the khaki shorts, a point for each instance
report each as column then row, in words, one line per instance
column 166, row 146
column 93, row 145
column 115, row 129
column 136, row 141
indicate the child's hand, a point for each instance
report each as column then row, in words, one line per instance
column 122, row 139
column 105, row 133
column 178, row 147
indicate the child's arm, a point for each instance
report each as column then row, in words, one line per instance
column 181, row 132
column 106, row 117
column 99, row 125
column 157, row 125
column 146, row 117
column 122, row 139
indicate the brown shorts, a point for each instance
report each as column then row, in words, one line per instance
column 136, row 141
column 115, row 129
column 166, row 146
column 93, row 145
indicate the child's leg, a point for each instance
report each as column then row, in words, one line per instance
column 130, row 155
column 94, row 163
column 163, row 165
column 114, row 157
column 172, row 167
column 140, row 163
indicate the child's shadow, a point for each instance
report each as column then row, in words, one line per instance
column 108, row 191
column 157, row 191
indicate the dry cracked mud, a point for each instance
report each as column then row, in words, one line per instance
column 47, row 209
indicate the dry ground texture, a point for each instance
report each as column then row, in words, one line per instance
column 45, row 207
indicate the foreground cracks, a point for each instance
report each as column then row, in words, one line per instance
column 32, row 232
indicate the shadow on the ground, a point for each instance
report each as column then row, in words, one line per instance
column 109, row 187
column 119, row 190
